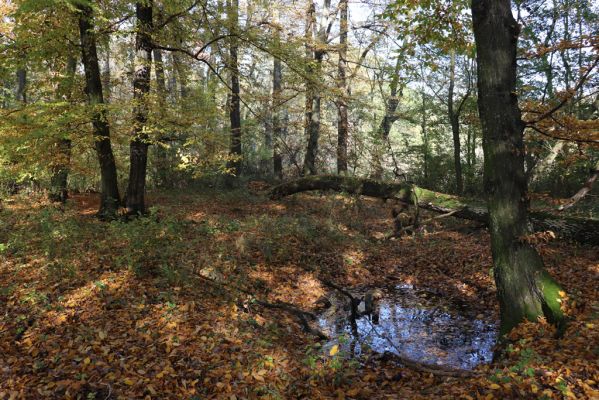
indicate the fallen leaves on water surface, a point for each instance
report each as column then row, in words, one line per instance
column 81, row 320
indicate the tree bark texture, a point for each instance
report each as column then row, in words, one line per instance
column 110, row 200
column 342, row 115
column 138, row 147
column 524, row 288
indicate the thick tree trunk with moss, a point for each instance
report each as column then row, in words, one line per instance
column 110, row 200
column 525, row 289
column 585, row 231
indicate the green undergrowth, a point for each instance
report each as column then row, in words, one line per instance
column 66, row 245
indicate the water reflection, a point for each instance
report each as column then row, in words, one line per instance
column 414, row 324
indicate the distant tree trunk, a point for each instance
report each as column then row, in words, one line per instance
column 309, row 166
column 384, row 129
column 162, row 164
column 313, row 125
column 212, row 78
column 564, row 54
column 454, row 119
column 395, row 92
column 540, row 170
column 524, row 288
column 21, row 92
column 110, row 200
column 314, row 112
column 425, row 139
column 180, row 76
column 471, row 156
column 106, row 73
column 141, row 89
column 60, row 167
column 172, row 76
column 160, row 75
column 342, row 118
column 546, row 64
column 235, row 103
column 277, row 122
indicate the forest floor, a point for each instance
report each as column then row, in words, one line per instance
column 162, row 307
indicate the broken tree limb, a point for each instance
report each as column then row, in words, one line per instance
column 586, row 188
column 581, row 230
column 411, row 227
column 301, row 315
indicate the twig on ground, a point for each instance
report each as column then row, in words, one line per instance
column 301, row 315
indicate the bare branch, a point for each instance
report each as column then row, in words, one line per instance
column 555, row 108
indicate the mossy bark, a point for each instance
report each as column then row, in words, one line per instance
column 525, row 290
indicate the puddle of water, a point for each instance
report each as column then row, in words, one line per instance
column 415, row 324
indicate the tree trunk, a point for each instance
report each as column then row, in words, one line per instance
column 309, row 166
column 342, row 118
column 425, row 139
column 454, row 119
column 171, row 83
column 181, row 76
column 106, row 83
column 277, row 121
column 109, row 201
column 313, row 113
column 235, row 104
column 525, row 289
column 161, row 155
column 60, row 166
column 313, row 124
column 540, row 170
column 581, row 230
column 141, row 89
column 389, row 119
column 21, row 92
column 471, row 158
column 160, row 75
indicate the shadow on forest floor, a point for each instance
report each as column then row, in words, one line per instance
column 122, row 310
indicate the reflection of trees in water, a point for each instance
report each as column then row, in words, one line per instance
column 413, row 327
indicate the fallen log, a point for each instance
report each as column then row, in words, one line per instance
column 581, row 230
